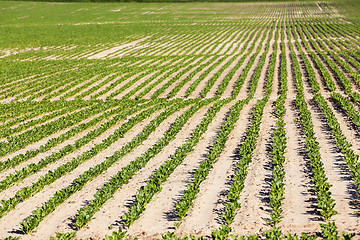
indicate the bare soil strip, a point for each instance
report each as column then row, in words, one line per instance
column 343, row 188
column 77, row 86
column 22, row 122
column 192, row 41
column 90, row 86
column 11, row 191
column 204, row 216
column 255, row 210
column 88, row 97
column 41, row 142
column 346, row 126
column 40, row 124
column 203, row 83
column 117, row 87
column 232, row 82
column 167, row 91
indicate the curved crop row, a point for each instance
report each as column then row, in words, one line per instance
column 51, row 176
column 35, row 134
column 144, row 195
column 321, row 186
column 30, row 169
column 60, row 196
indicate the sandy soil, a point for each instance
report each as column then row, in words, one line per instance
column 117, row 87
column 40, row 124
column 203, row 83
column 255, row 210
column 229, row 89
column 158, row 78
column 203, row 217
column 158, row 217
column 336, row 170
column 91, row 86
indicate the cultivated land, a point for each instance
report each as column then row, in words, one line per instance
column 170, row 120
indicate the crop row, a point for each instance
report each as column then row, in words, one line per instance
column 351, row 158
column 61, row 195
column 121, row 113
column 201, row 173
column 278, row 147
column 256, row 75
column 17, row 142
column 321, row 185
column 126, row 173
column 348, row 107
column 51, row 176
column 247, row 148
column 323, row 71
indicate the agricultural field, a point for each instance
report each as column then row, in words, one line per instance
column 171, row 120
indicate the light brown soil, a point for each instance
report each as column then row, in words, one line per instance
column 343, row 189
column 204, row 82
column 40, row 142
column 255, row 211
column 114, row 89
column 158, row 217
column 72, row 140
column 40, row 124
column 232, row 82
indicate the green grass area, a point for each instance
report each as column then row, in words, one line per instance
column 349, row 8
column 40, row 24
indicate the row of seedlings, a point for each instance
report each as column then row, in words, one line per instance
column 31, row 222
